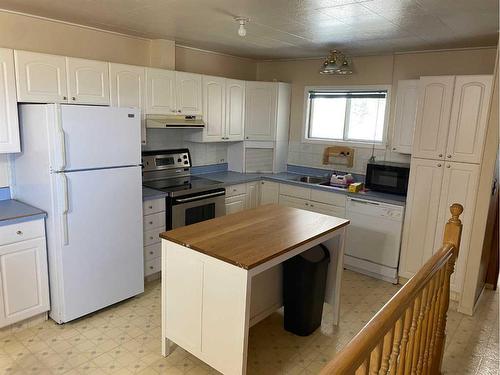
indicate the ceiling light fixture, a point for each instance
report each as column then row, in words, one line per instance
column 336, row 64
column 242, row 21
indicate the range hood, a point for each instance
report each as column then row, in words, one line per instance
column 169, row 121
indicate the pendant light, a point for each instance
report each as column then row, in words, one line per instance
column 242, row 21
column 336, row 64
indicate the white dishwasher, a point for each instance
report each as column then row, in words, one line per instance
column 373, row 238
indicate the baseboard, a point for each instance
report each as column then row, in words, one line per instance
column 264, row 314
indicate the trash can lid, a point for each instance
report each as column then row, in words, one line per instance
column 315, row 254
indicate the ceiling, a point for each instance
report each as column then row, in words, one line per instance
column 286, row 28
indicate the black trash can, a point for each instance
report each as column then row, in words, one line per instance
column 304, row 282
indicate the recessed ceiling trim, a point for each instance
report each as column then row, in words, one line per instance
column 74, row 24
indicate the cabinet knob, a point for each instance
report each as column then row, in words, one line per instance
column 394, row 149
column 151, row 253
column 65, row 98
column 439, row 164
column 440, row 155
column 448, row 156
column 150, row 207
column 448, row 166
column 19, row 232
column 73, row 98
column 173, row 110
column 179, row 111
column 311, row 205
column 151, row 267
column 150, row 223
column 150, row 238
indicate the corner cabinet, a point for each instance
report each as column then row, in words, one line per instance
column 405, row 116
column 24, row 286
column 9, row 122
column 160, row 87
column 41, row 78
column 269, row 192
column 261, row 110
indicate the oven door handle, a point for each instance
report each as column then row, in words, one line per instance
column 190, row 199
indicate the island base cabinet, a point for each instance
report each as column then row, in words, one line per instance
column 24, row 288
column 207, row 323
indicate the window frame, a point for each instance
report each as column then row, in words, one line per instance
column 356, row 143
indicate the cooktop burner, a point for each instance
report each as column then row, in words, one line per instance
column 183, row 185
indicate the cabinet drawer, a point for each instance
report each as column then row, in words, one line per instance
column 285, row 200
column 327, row 209
column 152, row 266
column 21, row 231
column 153, row 206
column 154, row 221
column 152, row 236
column 327, row 197
column 152, row 251
column 295, row 191
column 233, row 190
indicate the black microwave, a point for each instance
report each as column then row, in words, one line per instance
column 387, row 177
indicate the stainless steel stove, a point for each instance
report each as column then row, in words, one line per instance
column 190, row 199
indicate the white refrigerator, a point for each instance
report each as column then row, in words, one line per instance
column 81, row 164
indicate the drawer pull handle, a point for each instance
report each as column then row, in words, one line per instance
column 150, row 223
column 150, row 207
column 151, row 253
column 151, row 267
column 19, row 233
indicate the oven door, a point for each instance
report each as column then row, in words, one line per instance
column 198, row 207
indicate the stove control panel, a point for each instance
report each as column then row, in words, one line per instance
column 165, row 159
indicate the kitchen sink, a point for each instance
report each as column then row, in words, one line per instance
column 312, row 179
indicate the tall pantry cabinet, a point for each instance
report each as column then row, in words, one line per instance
column 449, row 137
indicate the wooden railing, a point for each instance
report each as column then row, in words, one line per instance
column 407, row 336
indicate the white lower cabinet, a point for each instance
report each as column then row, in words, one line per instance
column 241, row 196
column 269, row 192
column 24, row 286
column 323, row 202
column 433, row 187
column 154, row 223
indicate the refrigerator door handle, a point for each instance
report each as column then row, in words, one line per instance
column 64, row 213
column 62, row 141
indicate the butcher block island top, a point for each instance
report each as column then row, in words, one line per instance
column 252, row 237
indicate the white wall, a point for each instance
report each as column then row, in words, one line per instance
column 4, row 171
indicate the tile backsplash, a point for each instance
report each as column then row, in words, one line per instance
column 311, row 155
column 201, row 153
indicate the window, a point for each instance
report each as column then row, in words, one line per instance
column 346, row 115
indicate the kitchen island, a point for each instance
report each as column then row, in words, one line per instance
column 219, row 277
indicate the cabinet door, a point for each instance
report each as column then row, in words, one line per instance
column 269, row 192
column 24, row 287
column 160, row 87
column 188, row 93
column 260, row 111
column 405, row 116
column 9, row 123
column 127, row 84
column 235, row 204
column 88, row 81
column 460, row 185
column 40, row 78
column 285, row 200
column 252, row 194
column 214, row 108
column 422, row 207
column 433, row 117
column 235, row 109
column 469, row 118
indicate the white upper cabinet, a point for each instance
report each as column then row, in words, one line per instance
column 40, row 78
column 260, row 112
column 214, row 108
column 127, row 85
column 160, row 85
column 405, row 116
column 422, row 205
column 88, row 81
column 235, row 109
column 433, row 116
column 469, row 118
column 188, row 93
column 9, row 123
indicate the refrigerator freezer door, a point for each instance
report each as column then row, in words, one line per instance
column 87, row 137
column 98, row 235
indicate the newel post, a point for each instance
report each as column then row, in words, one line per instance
column 452, row 235
column 453, row 228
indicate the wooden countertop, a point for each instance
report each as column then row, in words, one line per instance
column 252, row 237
